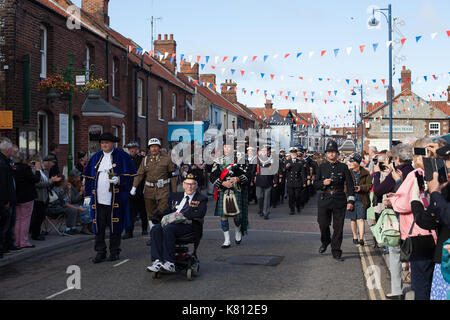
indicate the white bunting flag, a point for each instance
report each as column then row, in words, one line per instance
column 433, row 35
column 311, row 53
column 349, row 49
column 244, row 59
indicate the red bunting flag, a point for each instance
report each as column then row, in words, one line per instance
column 242, row 72
column 198, row 59
column 357, row 81
column 271, row 76
column 213, row 67
column 448, row 33
column 254, row 58
column 329, row 93
column 301, row 78
column 384, row 81
column 286, row 97
column 323, row 52
column 225, row 58
column 306, row 99
column 403, row 41
column 287, row 55
column 304, row 93
column 434, row 76
column 325, row 101
column 362, row 48
column 281, row 93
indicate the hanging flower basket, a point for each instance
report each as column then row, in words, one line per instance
column 55, row 85
column 94, row 87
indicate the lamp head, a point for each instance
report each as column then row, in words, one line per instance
column 373, row 22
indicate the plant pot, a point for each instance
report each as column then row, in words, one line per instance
column 53, row 94
column 94, row 94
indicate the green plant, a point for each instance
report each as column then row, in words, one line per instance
column 95, row 84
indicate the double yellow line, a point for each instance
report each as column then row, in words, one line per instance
column 368, row 266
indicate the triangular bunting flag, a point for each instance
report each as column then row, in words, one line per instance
column 375, row 46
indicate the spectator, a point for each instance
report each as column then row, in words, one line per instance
column 372, row 154
column 82, row 161
column 54, row 171
column 411, row 198
column 439, row 287
column 62, row 205
column 26, row 193
column 7, row 191
column 75, row 190
column 40, row 204
column 401, row 157
column 363, row 184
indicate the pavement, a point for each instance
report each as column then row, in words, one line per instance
column 278, row 259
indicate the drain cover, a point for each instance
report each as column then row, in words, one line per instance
column 256, row 260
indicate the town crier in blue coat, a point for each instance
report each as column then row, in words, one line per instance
column 107, row 178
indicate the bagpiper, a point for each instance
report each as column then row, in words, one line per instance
column 230, row 180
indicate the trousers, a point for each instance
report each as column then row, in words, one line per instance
column 295, row 198
column 103, row 221
column 23, row 218
column 37, row 218
column 263, row 196
column 137, row 207
column 164, row 240
column 332, row 209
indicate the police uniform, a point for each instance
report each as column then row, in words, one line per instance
column 157, row 170
column 333, row 201
column 295, row 179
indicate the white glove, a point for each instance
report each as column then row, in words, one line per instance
column 114, row 180
column 133, row 191
column 87, row 202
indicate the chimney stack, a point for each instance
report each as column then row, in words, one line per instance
column 406, row 81
column 98, row 9
column 209, row 78
column 229, row 91
column 169, row 46
column 448, row 94
column 269, row 104
column 188, row 71
column 387, row 94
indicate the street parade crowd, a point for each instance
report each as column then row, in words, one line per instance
column 402, row 194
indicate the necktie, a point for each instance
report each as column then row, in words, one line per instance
column 186, row 205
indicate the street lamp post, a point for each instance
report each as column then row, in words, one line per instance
column 375, row 22
column 361, row 115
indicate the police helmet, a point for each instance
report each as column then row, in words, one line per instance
column 331, row 146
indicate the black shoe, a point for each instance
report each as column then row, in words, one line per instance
column 323, row 248
column 338, row 258
column 113, row 257
column 361, row 242
column 292, row 213
column 38, row 238
column 298, row 210
column 127, row 236
column 391, row 296
column 225, row 246
column 266, row 217
column 100, row 257
column 144, row 232
column 355, row 241
column 14, row 248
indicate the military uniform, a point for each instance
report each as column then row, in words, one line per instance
column 333, row 201
column 282, row 178
column 295, row 179
column 158, row 171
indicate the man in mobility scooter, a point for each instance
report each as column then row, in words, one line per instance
column 180, row 224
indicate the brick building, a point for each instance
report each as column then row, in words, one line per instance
column 37, row 43
column 412, row 116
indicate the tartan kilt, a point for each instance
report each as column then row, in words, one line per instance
column 219, row 205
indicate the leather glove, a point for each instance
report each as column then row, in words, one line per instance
column 87, row 202
column 114, row 180
column 133, row 191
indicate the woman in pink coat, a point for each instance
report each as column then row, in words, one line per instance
column 410, row 199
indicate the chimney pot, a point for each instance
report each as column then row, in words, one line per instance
column 171, row 36
column 159, row 36
column 165, row 37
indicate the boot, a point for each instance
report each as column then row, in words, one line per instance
column 238, row 235
column 226, row 244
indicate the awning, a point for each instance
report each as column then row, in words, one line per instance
column 189, row 105
column 97, row 107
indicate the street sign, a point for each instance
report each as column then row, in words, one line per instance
column 6, row 120
column 80, row 80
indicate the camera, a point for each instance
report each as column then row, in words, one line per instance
column 375, row 160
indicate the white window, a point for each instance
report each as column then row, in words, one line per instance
column 160, row 111
column 116, row 134
column 174, row 106
column 140, row 105
column 435, row 129
column 43, row 50
column 124, row 137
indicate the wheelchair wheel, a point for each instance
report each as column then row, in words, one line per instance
column 196, row 269
column 189, row 274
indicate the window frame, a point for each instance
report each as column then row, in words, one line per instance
column 140, row 98
column 174, row 106
column 44, row 51
column 438, row 129
column 160, row 104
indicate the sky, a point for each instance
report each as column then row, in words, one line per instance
column 248, row 28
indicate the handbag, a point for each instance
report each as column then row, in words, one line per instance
column 424, row 246
column 52, row 196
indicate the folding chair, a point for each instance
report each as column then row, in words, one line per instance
column 57, row 223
